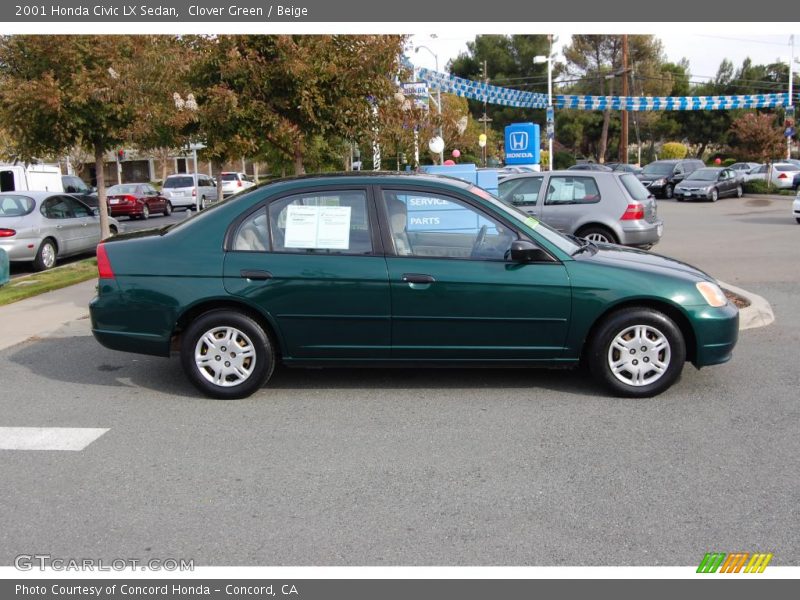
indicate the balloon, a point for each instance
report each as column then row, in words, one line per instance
column 436, row 144
column 717, row 161
column 449, row 163
column 456, row 153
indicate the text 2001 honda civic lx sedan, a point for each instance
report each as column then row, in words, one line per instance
column 388, row 269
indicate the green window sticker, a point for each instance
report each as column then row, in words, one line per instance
column 532, row 223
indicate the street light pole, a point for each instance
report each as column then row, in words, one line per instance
column 790, row 111
column 438, row 97
column 549, row 60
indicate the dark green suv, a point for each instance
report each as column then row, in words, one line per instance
column 389, row 269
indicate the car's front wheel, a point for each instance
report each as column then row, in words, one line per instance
column 714, row 195
column 637, row 353
column 145, row 212
column 167, row 209
column 226, row 354
column 668, row 191
column 739, row 191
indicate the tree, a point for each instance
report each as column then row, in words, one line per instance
column 756, row 137
column 57, row 92
column 509, row 63
column 286, row 91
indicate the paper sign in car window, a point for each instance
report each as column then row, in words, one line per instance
column 326, row 227
column 333, row 230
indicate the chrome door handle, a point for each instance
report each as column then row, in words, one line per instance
column 417, row 278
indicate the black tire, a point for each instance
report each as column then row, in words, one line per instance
column 714, row 195
column 145, row 212
column 668, row 191
column 46, row 255
column 112, row 231
column 168, row 209
column 248, row 333
column 602, row 351
column 679, row 198
column 596, row 233
column 739, row 191
column 202, row 203
column 798, row 220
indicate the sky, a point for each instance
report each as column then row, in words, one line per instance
column 703, row 48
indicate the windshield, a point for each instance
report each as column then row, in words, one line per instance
column 658, row 169
column 122, row 189
column 179, row 182
column 551, row 235
column 15, row 206
column 704, row 175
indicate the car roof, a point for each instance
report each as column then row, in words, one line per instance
column 568, row 173
column 408, row 178
column 35, row 194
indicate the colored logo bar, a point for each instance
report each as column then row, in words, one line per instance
column 735, row 562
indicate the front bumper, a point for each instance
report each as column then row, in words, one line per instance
column 692, row 194
column 716, row 331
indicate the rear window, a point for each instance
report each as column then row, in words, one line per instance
column 634, row 187
column 178, row 182
column 785, row 168
column 229, row 177
column 16, row 206
column 122, row 189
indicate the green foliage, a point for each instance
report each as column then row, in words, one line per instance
column 673, row 150
column 564, row 160
column 757, row 187
column 728, row 162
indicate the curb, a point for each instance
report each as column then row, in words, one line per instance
column 758, row 314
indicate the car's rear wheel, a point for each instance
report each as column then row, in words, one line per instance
column 226, row 354
column 595, row 233
column 168, row 209
column 637, row 353
column 202, row 203
column 45, row 256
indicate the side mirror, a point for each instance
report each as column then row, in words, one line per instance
column 523, row 251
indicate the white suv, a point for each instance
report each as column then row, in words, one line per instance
column 233, row 183
column 184, row 189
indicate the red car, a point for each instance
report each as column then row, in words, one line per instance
column 136, row 200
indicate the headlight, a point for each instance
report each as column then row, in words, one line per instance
column 661, row 181
column 712, row 293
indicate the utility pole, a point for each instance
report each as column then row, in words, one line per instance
column 623, row 143
column 790, row 109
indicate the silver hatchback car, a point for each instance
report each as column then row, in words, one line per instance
column 612, row 207
column 41, row 227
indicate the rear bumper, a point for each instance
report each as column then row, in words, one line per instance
column 19, row 250
column 109, row 316
column 716, row 332
column 124, row 211
column 645, row 236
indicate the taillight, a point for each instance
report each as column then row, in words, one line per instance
column 130, row 199
column 7, row 232
column 194, row 192
column 783, row 176
column 104, row 270
column 634, row 212
column 239, row 183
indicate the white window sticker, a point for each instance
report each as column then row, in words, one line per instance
column 325, row 227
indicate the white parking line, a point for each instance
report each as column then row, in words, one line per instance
column 48, row 438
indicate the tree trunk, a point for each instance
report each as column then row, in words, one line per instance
column 100, row 172
column 601, row 150
column 217, row 169
column 299, row 169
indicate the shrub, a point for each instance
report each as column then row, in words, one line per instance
column 673, row 150
column 756, row 187
column 544, row 159
column 728, row 162
column 564, row 160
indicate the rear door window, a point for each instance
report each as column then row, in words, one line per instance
column 572, row 190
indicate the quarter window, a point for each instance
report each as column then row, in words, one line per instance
column 428, row 225
column 252, row 235
column 321, row 223
column 521, row 192
column 572, row 190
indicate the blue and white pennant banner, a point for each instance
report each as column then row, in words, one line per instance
column 476, row 90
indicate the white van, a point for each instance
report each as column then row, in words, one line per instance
column 23, row 178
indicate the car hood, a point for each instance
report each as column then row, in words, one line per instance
column 620, row 256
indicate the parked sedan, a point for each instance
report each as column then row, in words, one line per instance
column 392, row 270
column 710, row 183
column 609, row 207
column 44, row 226
column 782, row 174
column 136, row 200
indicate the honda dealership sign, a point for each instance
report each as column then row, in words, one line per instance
column 522, row 144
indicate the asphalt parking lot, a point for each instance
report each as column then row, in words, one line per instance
column 425, row 467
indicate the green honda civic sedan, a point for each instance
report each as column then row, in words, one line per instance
column 399, row 270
